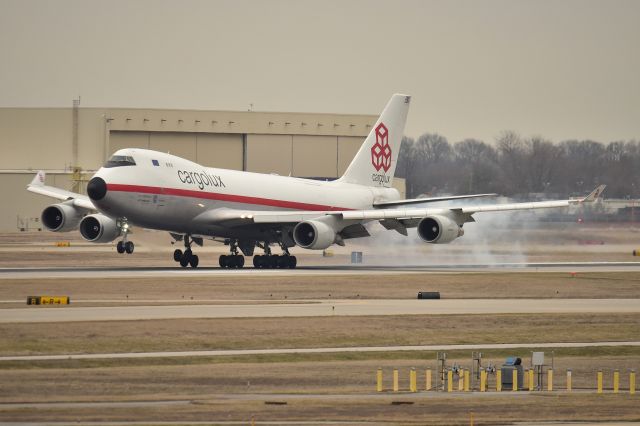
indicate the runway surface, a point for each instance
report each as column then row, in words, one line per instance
column 336, row 269
column 317, row 308
column 298, row 351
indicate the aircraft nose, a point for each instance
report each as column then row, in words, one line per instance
column 97, row 189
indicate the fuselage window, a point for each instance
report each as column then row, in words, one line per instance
column 119, row 161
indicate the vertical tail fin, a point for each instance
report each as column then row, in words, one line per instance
column 375, row 162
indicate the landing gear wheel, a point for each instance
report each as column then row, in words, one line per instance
column 292, row 262
column 128, row 247
column 186, row 257
column 194, row 261
column 222, row 260
column 120, row 247
column 283, row 262
column 258, row 261
column 177, row 255
column 273, row 261
column 239, row 263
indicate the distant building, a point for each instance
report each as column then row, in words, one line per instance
column 71, row 143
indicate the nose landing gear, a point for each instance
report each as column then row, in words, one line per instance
column 187, row 257
column 125, row 246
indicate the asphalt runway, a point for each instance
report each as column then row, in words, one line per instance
column 336, row 269
column 318, row 308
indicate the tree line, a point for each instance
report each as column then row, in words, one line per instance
column 515, row 166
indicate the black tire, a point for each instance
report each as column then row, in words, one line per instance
column 186, row 257
column 177, row 255
column 257, row 261
column 222, row 260
column 129, row 247
column 239, row 261
column 120, row 247
column 273, row 261
column 194, row 261
column 293, row 262
column 283, row 262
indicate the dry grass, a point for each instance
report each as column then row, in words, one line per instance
column 334, row 390
column 309, row 332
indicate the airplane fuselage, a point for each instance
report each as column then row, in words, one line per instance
column 165, row 192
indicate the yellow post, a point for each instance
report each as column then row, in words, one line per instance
column 427, row 377
column 531, row 380
column 550, row 380
column 466, row 380
column 632, row 382
column 379, row 380
column 599, row 381
column 395, row 380
column 526, row 379
column 413, row 386
column 515, row 379
column 569, row 384
column 449, row 381
column 483, row 380
column 498, row 380
column 461, row 380
column 616, row 381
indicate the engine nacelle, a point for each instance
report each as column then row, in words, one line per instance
column 314, row 235
column 61, row 217
column 98, row 228
column 439, row 230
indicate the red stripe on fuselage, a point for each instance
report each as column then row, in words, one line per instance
column 220, row 197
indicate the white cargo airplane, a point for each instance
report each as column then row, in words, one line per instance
column 155, row 190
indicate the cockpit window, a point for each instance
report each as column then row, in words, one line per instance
column 119, row 161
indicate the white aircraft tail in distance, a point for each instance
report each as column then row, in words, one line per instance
column 253, row 211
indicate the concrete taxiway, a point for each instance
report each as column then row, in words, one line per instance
column 329, row 269
column 316, row 308
column 299, row 351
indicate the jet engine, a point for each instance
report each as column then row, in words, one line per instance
column 98, row 228
column 314, row 235
column 61, row 217
column 439, row 230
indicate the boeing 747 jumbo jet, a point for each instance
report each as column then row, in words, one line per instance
column 155, row 190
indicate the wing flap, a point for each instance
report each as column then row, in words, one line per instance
column 410, row 201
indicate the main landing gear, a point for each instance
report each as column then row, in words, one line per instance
column 186, row 258
column 233, row 260
column 273, row 261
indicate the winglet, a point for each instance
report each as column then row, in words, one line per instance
column 594, row 194
column 38, row 179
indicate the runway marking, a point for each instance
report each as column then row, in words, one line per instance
column 299, row 351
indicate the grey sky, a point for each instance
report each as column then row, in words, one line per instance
column 561, row 69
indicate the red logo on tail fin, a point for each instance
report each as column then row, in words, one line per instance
column 381, row 151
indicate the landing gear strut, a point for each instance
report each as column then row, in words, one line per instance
column 186, row 258
column 273, row 261
column 233, row 260
column 125, row 246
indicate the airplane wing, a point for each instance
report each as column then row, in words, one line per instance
column 37, row 185
column 390, row 218
column 464, row 213
column 386, row 204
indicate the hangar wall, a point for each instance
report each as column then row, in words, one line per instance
column 71, row 143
